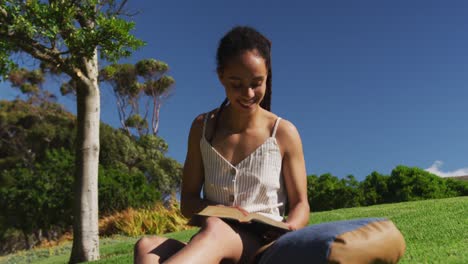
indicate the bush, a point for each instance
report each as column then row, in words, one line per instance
column 457, row 187
column 37, row 170
column 327, row 192
column 38, row 200
column 41, row 196
column 137, row 222
column 411, row 184
column 374, row 189
column 145, row 154
column 120, row 189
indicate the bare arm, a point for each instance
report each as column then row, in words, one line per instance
column 193, row 173
column 294, row 174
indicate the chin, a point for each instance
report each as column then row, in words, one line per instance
column 249, row 109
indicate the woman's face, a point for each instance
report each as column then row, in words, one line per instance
column 244, row 79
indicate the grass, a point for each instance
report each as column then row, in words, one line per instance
column 436, row 231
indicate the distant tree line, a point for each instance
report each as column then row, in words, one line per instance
column 327, row 192
column 37, row 169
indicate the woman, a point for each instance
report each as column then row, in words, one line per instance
column 243, row 156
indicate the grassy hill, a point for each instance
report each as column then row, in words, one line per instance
column 436, row 231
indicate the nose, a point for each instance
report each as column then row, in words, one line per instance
column 248, row 92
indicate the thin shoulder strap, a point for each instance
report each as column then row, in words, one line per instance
column 204, row 123
column 275, row 127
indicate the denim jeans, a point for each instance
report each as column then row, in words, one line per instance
column 351, row 241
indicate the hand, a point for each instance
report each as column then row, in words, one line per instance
column 242, row 210
column 291, row 226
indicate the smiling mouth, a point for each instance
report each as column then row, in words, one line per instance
column 248, row 103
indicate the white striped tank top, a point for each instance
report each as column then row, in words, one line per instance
column 255, row 183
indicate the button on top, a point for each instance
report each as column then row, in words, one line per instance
column 233, row 171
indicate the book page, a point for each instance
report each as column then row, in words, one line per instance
column 234, row 213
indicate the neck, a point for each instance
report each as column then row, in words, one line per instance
column 237, row 121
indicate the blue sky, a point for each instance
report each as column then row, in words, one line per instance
column 369, row 84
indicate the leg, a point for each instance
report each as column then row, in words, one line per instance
column 218, row 241
column 368, row 240
column 155, row 249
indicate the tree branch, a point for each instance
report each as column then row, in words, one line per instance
column 116, row 10
column 120, row 9
column 42, row 53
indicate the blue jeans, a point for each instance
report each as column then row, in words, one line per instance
column 352, row 241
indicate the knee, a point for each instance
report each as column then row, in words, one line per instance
column 146, row 244
column 368, row 240
column 214, row 229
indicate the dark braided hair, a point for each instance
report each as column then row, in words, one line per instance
column 235, row 42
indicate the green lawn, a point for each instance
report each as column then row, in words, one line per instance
column 436, row 231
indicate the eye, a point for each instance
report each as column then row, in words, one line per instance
column 257, row 84
column 236, row 84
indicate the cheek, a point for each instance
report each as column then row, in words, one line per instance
column 229, row 90
column 231, row 93
column 261, row 92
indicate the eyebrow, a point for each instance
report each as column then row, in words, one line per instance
column 257, row 78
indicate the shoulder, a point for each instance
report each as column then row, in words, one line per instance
column 286, row 129
column 199, row 121
column 287, row 135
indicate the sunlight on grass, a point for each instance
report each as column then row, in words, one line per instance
column 435, row 231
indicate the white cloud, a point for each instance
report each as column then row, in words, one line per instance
column 435, row 169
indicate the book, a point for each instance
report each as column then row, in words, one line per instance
column 232, row 213
column 261, row 224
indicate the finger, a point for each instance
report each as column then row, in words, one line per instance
column 290, row 227
column 243, row 211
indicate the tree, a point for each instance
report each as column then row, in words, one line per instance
column 27, row 131
column 374, row 189
column 147, row 83
column 30, row 200
column 67, row 37
column 36, row 160
column 323, row 192
column 457, row 187
column 145, row 153
column 412, row 184
column 30, row 84
column 349, row 194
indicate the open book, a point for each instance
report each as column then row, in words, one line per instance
column 261, row 223
column 234, row 214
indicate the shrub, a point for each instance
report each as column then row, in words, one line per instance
column 137, row 222
column 121, row 189
column 327, row 192
column 457, row 187
column 411, row 184
column 41, row 196
column 374, row 188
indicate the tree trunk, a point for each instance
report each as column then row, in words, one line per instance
column 157, row 108
column 26, row 240
column 47, row 234
column 38, row 235
column 85, row 223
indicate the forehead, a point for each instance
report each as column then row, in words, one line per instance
column 245, row 65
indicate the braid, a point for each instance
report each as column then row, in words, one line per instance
column 266, row 102
column 218, row 113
